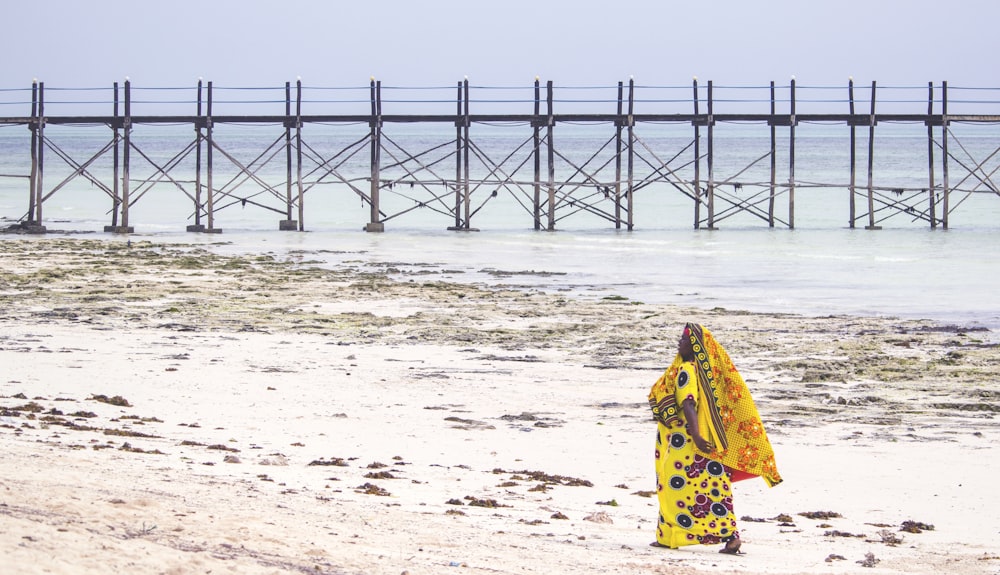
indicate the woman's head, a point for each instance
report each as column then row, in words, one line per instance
column 684, row 345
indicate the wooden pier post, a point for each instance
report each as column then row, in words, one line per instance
column 697, row 158
column 774, row 162
column 854, row 152
column 537, row 153
column 210, row 143
column 791, row 156
column 122, row 227
column 944, row 156
column 34, row 223
column 459, row 150
column 199, row 122
column 549, row 125
column 871, row 164
column 375, row 123
column 33, row 176
column 463, row 195
column 629, row 195
column 298, row 153
column 931, row 206
column 39, row 185
column 466, row 192
column 711, row 153
column 618, row 159
column 288, row 224
column 116, row 123
column 126, row 159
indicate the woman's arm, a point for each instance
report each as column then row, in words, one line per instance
column 691, row 417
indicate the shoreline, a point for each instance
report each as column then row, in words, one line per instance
column 905, row 296
column 272, row 402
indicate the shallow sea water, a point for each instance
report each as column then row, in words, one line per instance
column 821, row 267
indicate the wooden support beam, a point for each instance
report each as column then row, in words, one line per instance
column 697, row 159
column 199, row 122
column 463, row 193
column 116, row 197
column 629, row 190
column 774, row 165
column 123, row 226
column 549, row 126
column 459, row 149
column 466, row 193
column 126, row 156
column 210, row 144
column 288, row 224
column 711, row 159
column 375, row 122
column 33, row 174
column 298, row 154
column 871, row 164
column 931, row 205
column 618, row 161
column 854, row 156
column 778, row 120
column 791, row 156
column 39, row 186
column 945, row 201
column 537, row 157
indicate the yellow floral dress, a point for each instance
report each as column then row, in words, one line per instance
column 694, row 488
column 695, row 492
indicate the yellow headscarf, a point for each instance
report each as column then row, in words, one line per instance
column 734, row 426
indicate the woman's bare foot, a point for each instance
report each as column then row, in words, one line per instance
column 732, row 547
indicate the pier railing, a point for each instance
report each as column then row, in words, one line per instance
column 505, row 141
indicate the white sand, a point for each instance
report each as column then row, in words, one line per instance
column 454, row 413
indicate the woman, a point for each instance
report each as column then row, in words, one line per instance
column 708, row 436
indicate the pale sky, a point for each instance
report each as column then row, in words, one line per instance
column 161, row 43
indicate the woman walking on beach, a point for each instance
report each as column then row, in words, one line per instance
column 708, row 436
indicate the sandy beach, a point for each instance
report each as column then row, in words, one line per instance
column 166, row 409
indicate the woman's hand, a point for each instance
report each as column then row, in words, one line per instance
column 691, row 419
column 700, row 443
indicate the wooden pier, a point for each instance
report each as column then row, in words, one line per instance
column 544, row 180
